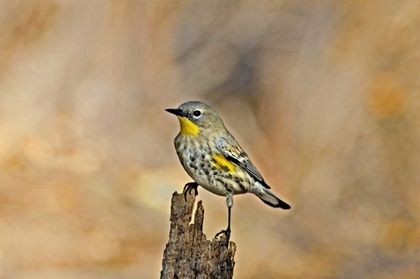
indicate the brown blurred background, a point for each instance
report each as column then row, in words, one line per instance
column 323, row 95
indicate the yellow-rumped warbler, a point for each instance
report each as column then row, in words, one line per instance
column 214, row 159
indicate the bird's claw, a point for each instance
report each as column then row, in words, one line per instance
column 226, row 233
column 189, row 187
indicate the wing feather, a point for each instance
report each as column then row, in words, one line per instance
column 234, row 153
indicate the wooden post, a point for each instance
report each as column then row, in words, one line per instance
column 188, row 253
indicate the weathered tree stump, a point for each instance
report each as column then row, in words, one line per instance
column 188, row 253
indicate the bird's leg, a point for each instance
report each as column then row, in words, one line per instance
column 188, row 187
column 229, row 203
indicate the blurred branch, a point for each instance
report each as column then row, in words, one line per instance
column 188, row 253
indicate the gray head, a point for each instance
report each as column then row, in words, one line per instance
column 197, row 117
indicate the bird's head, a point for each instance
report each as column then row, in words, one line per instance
column 197, row 117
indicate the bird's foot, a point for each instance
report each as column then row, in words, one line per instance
column 189, row 187
column 226, row 233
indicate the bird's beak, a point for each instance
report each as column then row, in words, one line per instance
column 176, row 111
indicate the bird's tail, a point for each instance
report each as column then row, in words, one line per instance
column 269, row 198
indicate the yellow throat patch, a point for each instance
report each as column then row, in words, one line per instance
column 188, row 127
column 222, row 163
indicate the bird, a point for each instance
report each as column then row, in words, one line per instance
column 213, row 158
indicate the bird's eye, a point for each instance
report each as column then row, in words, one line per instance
column 197, row 113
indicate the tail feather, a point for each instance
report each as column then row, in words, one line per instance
column 269, row 198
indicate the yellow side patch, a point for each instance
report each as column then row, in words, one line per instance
column 223, row 163
column 188, row 127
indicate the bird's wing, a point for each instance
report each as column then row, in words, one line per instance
column 235, row 154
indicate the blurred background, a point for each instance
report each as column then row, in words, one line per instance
column 323, row 95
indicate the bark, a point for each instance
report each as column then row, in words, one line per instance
column 188, row 253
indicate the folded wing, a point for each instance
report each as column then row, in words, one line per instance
column 234, row 153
